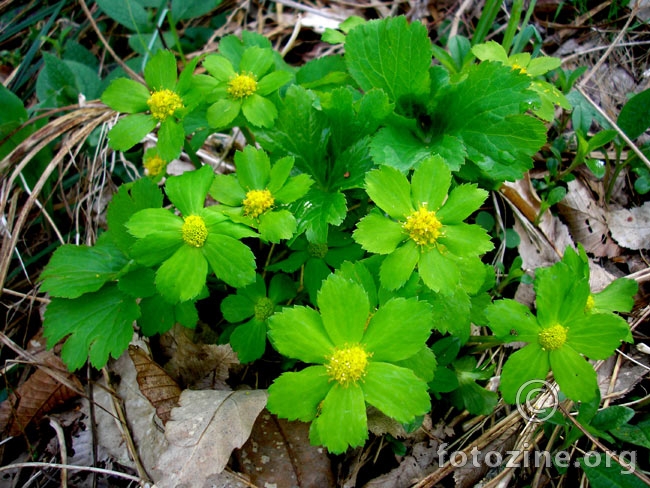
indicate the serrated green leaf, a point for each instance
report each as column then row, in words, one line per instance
column 574, row 374
column 391, row 191
column 277, row 225
column 221, row 113
column 485, row 111
column 618, row 296
column 300, row 131
column 297, row 396
column 259, row 111
column 398, row 266
column 160, row 72
column 396, row 391
column 337, row 436
column 130, row 130
column 344, row 308
column 392, row 55
column 378, row 234
column 390, row 342
column 138, row 283
column 97, row 325
column 231, row 260
column 295, row 188
column 529, row 363
column 188, row 191
column 317, row 210
column 129, row 199
column 298, row 332
column 423, row 364
column 181, row 277
column 75, row 270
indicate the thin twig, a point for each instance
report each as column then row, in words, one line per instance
column 73, row 467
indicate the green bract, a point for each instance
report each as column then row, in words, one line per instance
column 241, row 85
column 422, row 226
column 564, row 329
column 252, row 195
column 164, row 100
column 248, row 340
column 355, row 349
column 185, row 246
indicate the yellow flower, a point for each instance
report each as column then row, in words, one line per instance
column 194, row 231
column 257, row 202
column 242, row 86
column 553, row 337
column 423, row 227
column 163, row 104
column 347, row 365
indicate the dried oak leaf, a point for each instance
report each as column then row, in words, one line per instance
column 37, row 396
column 631, row 228
column 586, row 220
column 202, row 433
column 155, row 384
column 278, row 453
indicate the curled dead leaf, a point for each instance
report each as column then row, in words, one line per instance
column 155, row 384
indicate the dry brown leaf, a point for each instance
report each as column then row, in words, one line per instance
column 540, row 245
column 381, row 424
column 198, row 366
column 37, row 396
column 278, row 453
column 631, row 228
column 203, row 432
column 155, row 384
column 586, row 220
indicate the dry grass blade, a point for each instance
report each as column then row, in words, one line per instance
column 155, row 384
column 74, row 127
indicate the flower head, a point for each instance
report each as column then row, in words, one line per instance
column 258, row 194
column 164, row 100
column 420, row 226
column 241, row 85
column 164, row 103
column 251, row 307
column 563, row 330
column 153, row 164
column 360, row 357
column 188, row 246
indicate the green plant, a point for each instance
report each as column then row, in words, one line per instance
column 357, row 210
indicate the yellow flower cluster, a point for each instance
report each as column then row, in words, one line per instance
column 163, row 104
column 423, row 227
column 553, row 337
column 242, row 86
column 194, row 231
column 257, row 202
column 347, row 364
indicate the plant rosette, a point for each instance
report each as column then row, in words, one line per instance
column 252, row 302
column 241, row 86
column 254, row 194
column 355, row 350
column 187, row 246
column 563, row 331
column 421, row 225
column 164, row 100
